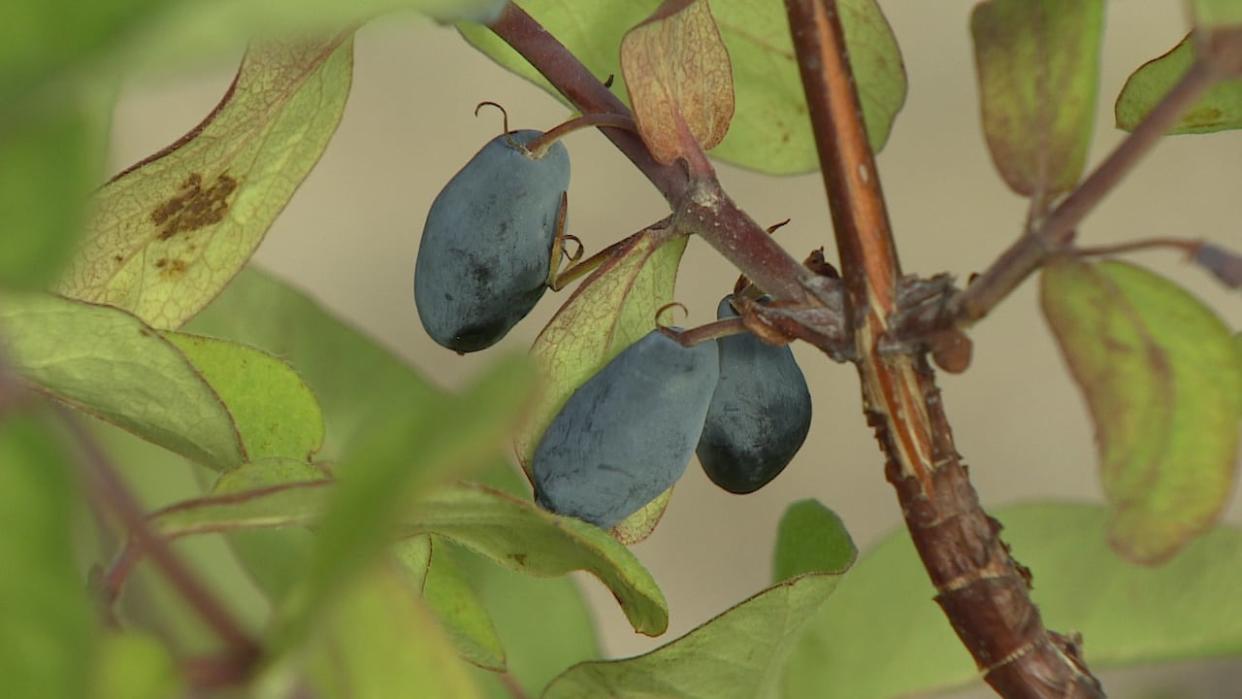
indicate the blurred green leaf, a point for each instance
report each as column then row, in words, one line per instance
column 275, row 559
column 880, row 635
column 167, row 234
column 448, row 593
column 770, row 131
column 511, row 532
column 518, row 603
column 1038, row 63
column 48, row 628
column 43, row 38
column 1160, row 374
column 108, row 363
column 378, row 642
column 741, row 653
column 355, row 379
column 811, row 538
column 1214, row 13
column 275, row 411
column 609, row 311
column 133, row 666
column 1219, row 109
column 52, row 153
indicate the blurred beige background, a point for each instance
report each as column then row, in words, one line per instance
column 350, row 236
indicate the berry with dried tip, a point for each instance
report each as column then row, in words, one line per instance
column 486, row 249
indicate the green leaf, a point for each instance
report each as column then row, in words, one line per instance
column 378, row 642
column 770, row 131
column 518, row 603
column 42, row 39
column 354, row 377
column 811, row 538
column 510, row 531
column 1219, row 109
column 1164, row 387
column 53, row 153
column 610, row 310
column 275, row 411
column 448, row 592
column 167, row 234
column 108, row 363
column 1217, row 13
column 48, row 631
column 1038, row 64
column 881, row 636
column 401, row 459
column 276, row 560
column 740, row 653
column 133, row 666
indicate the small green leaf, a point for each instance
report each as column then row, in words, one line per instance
column 378, row 642
column 399, row 460
column 47, row 634
column 811, row 538
column 1219, row 109
column 880, row 636
column 448, row 593
column 167, row 234
column 108, row 363
column 133, row 666
column 770, row 131
column 1038, row 64
column 275, row 411
column 740, row 653
column 510, row 531
column 354, row 377
column 53, row 155
column 610, row 310
column 1162, row 382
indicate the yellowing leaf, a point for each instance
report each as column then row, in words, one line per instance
column 108, row 363
column 1164, row 387
column 274, row 410
column 166, row 235
column 613, row 308
column 1038, row 63
column 677, row 70
column 770, row 131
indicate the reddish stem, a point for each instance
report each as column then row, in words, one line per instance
column 539, row 146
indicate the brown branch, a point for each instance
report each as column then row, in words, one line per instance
column 110, row 490
column 981, row 589
column 702, row 206
column 1030, row 251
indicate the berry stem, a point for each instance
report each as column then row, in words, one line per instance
column 539, row 146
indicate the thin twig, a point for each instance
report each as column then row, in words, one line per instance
column 1186, row 245
column 1032, row 249
column 512, row 686
column 108, row 487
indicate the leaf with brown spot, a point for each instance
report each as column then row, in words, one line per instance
column 167, row 234
column 677, row 70
column 1038, row 64
column 1219, row 109
column 613, row 308
column 1163, row 383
